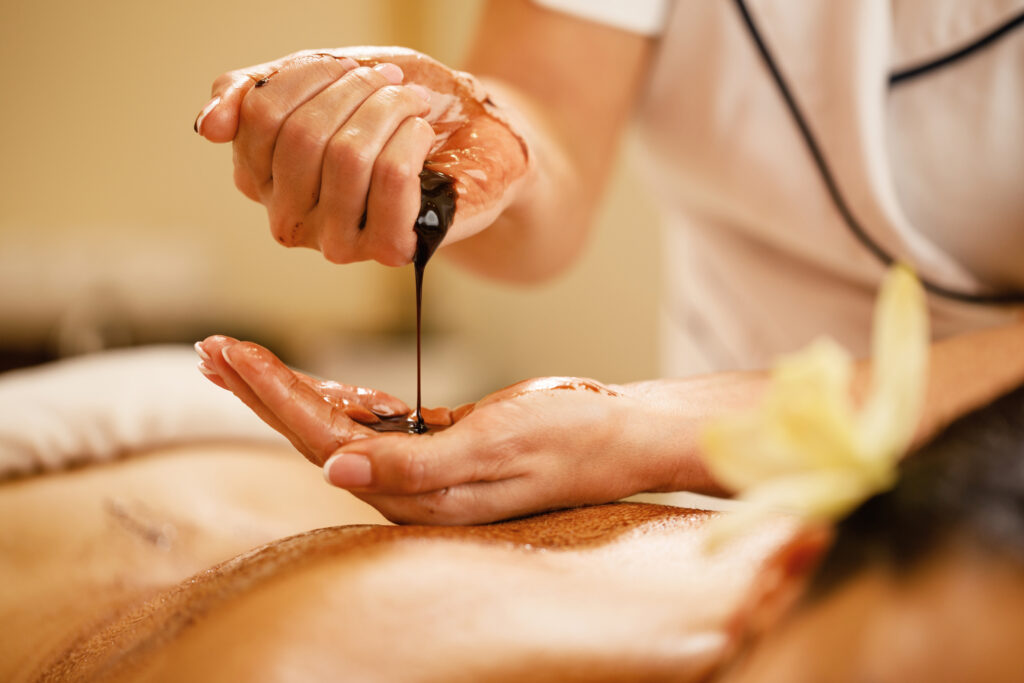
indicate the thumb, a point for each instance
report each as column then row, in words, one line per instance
column 403, row 465
column 218, row 119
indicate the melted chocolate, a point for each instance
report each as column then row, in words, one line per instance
column 406, row 424
column 437, row 210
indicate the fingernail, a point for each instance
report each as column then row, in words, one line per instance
column 348, row 470
column 206, row 369
column 210, row 106
column 198, row 346
column 390, row 71
column 383, row 410
column 420, row 90
column 225, row 356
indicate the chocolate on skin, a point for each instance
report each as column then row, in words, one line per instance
column 437, row 211
column 475, row 144
column 439, row 419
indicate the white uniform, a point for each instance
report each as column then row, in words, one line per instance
column 759, row 259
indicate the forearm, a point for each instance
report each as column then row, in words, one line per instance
column 569, row 87
column 968, row 371
column 666, row 417
column 544, row 229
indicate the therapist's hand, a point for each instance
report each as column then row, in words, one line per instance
column 332, row 143
column 540, row 444
column 316, row 416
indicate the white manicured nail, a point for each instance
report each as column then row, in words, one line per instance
column 210, row 106
column 381, row 409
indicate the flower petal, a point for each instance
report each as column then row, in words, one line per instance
column 899, row 368
column 805, row 422
column 804, row 450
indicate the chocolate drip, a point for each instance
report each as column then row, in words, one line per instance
column 437, row 210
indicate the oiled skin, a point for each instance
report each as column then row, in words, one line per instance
column 609, row 593
column 332, row 141
column 475, row 143
column 76, row 546
column 581, row 434
column 318, row 416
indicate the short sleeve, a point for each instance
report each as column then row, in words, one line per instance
column 646, row 17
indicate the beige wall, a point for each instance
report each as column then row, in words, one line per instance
column 114, row 209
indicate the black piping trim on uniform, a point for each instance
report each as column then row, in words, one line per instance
column 975, row 45
column 1002, row 298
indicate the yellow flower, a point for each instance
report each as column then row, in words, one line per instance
column 805, row 450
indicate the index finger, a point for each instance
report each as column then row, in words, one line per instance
column 321, row 425
column 218, row 119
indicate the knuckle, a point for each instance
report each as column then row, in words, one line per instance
column 391, row 260
column 396, row 516
column 390, row 95
column 224, row 80
column 410, row 473
column 397, row 97
column 436, row 507
column 443, row 507
column 245, row 184
column 332, row 65
column 422, row 127
column 285, row 229
column 364, row 78
column 393, row 176
column 389, row 245
column 436, row 502
column 339, row 256
column 301, row 135
column 320, row 64
column 389, row 254
column 259, row 112
column 334, row 247
column 349, row 153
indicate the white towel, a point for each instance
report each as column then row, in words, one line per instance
column 105, row 406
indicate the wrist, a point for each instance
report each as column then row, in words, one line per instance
column 671, row 415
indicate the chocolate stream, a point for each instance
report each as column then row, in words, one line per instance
column 437, row 210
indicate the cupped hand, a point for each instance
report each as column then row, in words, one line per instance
column 317, row 416
column 541, row 444
column 332, row 143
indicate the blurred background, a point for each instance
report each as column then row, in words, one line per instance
column 119, row 226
